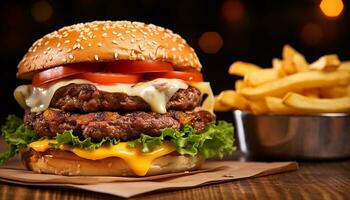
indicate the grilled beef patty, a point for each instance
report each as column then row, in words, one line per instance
column 87, row 98
column 113, row 124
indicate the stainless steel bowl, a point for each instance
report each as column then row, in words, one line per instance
column 299, row 137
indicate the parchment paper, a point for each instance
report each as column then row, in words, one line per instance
column 211, row 172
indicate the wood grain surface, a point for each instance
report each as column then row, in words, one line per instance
column 327, row 180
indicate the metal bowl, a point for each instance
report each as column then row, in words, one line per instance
column 297, row 137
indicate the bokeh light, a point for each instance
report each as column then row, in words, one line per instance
column 332, row 8
column 232, row 10
column 41, row 11
column 311, row 34
column 210, row 42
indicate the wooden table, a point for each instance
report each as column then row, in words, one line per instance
column 327, row 180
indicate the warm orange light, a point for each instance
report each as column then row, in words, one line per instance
column 41, row 11
column 332, row 8
column 210, row 42
column 232, row 10
column 311, row 34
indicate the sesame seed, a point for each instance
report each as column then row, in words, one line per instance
column 89, row 45
column 104, row 35
column 71, row 56
column 46, row 43
column 114, row 42
column 141, row 47
column 66, row 41
column 132, row 40
column 58, row 45
column 114, row 33
column 76, row 46
column 64, row 60
column 96, row 57
column 116, row 55
column 119, row 34
column 99, row 44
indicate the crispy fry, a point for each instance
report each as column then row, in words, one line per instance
column 296, row 59
column 297, row 82
column 277, row 64
column 233, row 99
column 314, row 105
column 275, row 105
column 259, row 77
column 288, row 67
column 334, row 92
column 239, row 85
column 258, row 107
column 326, row 63
column 345, row 66
column 312, row 93
column 220, row 107
column 240, row 68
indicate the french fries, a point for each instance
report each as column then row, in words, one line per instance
column 297, row 82
column 261, row 76
column 275, row 105
column 239, row 85
column 291, row 86
column 296, row 59
column 314, row 105
column 232, row 99
column 344, row 66
column 240, row 68
column 326, row 63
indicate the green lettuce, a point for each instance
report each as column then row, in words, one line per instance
column 68, row 138
column 215, row 140
column 16, row 135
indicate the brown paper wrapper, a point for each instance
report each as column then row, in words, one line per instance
column 211, row 172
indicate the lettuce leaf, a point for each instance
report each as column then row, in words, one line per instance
column 215, row 140
column 68, row 138
column 16, row 135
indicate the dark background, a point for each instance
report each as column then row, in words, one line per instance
column 253, row 31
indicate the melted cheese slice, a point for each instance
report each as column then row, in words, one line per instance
column 204, row 88
column 137, row 160
column 156, row 93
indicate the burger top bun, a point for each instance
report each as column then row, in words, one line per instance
column 107, row 41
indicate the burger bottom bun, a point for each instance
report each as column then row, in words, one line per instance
column 66, row 163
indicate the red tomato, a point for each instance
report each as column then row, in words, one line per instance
column 138, row 66
column 60, row 72
column 186, row 76
column 109, row 78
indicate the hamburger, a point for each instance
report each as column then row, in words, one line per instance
column 114, row 98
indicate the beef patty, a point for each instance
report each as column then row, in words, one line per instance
column 87, row 98
column 112, row 124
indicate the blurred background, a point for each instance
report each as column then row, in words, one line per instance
column 220, row 31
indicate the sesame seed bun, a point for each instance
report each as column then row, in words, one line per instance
column 107, row 41
column 67, row 163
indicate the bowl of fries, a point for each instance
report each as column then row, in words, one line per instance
column 292, row 110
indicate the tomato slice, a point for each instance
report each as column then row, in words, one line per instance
column 109, row 78
column 138, row 66
column 59, row 72
column 186, row 76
